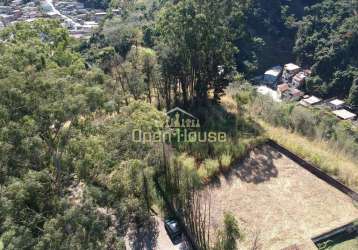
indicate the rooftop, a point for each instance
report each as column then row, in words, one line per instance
column 263, row 90
column 274, row 71
column 291, row 66
column 344, row 114
column 300, row 76
column 336, row 102
column 296, row 92
column 283, row 87
column 312, row 100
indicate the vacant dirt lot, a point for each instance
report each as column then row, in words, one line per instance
column 278, row 201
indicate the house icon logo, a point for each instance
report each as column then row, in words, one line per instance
column 179, row 118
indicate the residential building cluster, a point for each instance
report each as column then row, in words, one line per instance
column 18, row 11
column 284, row 84
column 80, row 21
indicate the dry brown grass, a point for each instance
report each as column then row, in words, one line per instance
column 328, row 157
column 273, row 197
column 321, row 153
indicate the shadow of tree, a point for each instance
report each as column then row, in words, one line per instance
column 259, row 167
column 144, row 237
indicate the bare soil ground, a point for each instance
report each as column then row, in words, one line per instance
column 278, row 201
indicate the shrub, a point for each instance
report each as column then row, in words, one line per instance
column 199, row 150
column 186, row 161
column 225, row 161
column 238, row 150
column 203, row 173
column 304, row 121
column 212, row 166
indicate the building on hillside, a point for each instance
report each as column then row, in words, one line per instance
column 344, row 114
column 295, row 94
column 289, row 71
column 310, row 101
column 6, row 19
column 99, row 16
column 299, row 79
column 116, row 11
column 336, row 104
column 281, row 89
column 272, row 75
column 17, row 13
column 5, row 9
column 88, row 26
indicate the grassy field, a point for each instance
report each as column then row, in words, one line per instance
column 320, row 153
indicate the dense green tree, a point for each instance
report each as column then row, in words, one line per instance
column 327, row 42
column 62, row 152
column 196, row 48
column 353, row 93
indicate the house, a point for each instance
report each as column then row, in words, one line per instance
column 6, row 18
column 336, row 104
column 88, row 26
column 99, row 16
column 295, row 94
column 116, row 11
column 272, row 75
column 282, row 88
column 290, row 70
column 299, row 79
column 310, row 101
column 344, row 114
column 5, row 9
column 17, row 13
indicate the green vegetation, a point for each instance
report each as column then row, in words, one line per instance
column 312, row 133
column 326, row 41
column 71, row 177
column 229, row 235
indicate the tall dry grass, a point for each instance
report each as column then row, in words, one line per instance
column 323, row 154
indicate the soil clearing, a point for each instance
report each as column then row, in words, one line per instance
column 277, row 201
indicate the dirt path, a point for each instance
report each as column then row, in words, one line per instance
column 154, row 239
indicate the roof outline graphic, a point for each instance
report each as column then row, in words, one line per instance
column 182, row 111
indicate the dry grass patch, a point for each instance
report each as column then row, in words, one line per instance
column 277, row 201
column 321, row 153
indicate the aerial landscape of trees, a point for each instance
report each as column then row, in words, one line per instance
column 71, row 177
column 327, row 42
